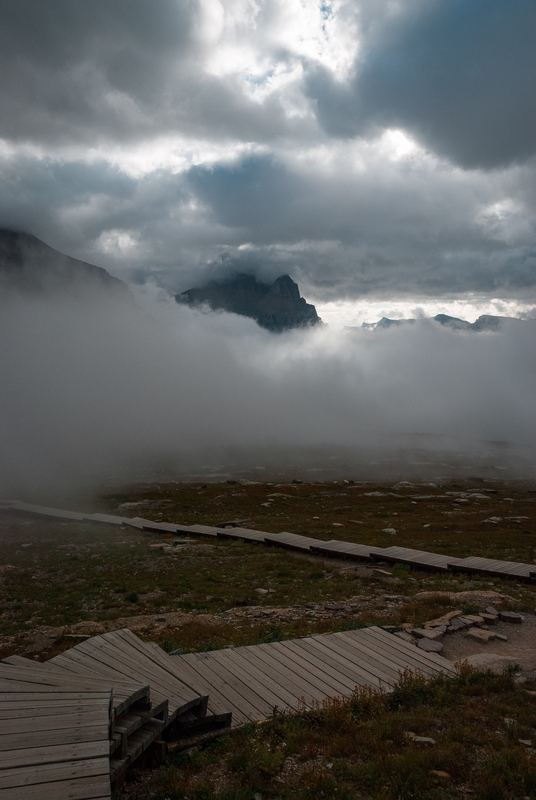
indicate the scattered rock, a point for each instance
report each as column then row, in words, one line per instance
column 337, row 524
column 476, row 597
column 511, row 616
column 424, row 740
column 480, row 636
column 389, row 530
column 444, row 620
column 490, row 619
column 467, row 622
column 520, row 680
column 438, row 773
column 430, row 646
column 261, row 591
column 501, row 637
column 432, row 634
column 525, row 742
column 87, row 628
column 456, row 625
column 491, row 610
column 381, row 573
column 493, row 661
column 508, row 721
column 476, row 619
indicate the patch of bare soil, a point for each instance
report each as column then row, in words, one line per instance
column 521, row 644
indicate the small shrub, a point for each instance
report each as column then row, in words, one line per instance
column 273, row 635
column 467, row 608
column 132, row 597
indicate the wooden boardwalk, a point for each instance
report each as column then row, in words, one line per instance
column 252, row 681
column 54, row 743
column 420, row 559
column 73, row 725
column 291, row 541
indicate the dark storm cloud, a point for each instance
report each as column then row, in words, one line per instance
column 340, row 232
column 459, row 74
column 377, row 230
column 84, row 73
column 89, row 90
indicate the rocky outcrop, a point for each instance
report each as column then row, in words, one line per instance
column 277, row 307
column 29, row 265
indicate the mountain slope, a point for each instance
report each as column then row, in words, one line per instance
column 29, row 265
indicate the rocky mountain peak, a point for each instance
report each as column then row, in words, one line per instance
column 276, row 307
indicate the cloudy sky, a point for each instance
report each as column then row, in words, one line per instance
column 382, row 152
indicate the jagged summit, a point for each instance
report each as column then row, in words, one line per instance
column 29, row 265
column 277, row 307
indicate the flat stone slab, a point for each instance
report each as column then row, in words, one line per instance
column 456, row 625
column 480, row 635
column 429, row 645
column 511, row 616
column 429, row 633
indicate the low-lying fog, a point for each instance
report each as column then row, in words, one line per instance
column 99, row 390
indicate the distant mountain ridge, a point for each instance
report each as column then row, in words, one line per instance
column 486, row 322
column 31, row 266
column 276, row 307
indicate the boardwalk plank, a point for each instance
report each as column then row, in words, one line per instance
column 229, row 698
column 289, row 679
column 47, row 773
column 431, row 661
column 364, row 673
column 257, row 682
column 91, row 788
column 233, row 687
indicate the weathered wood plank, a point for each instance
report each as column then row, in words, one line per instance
column 91, row 788
column 33, row 756
column 11, row 777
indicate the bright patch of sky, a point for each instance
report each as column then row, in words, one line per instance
column 350, row 313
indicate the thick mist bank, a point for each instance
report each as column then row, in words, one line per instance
column 99, row 390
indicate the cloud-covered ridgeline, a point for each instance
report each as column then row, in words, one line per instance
column 95, row 387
